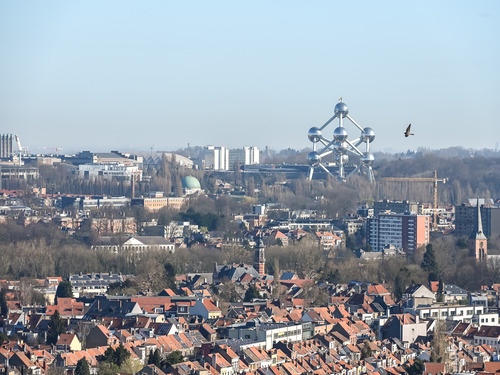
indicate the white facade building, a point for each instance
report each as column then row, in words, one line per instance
column 216, row 158
column 108, row 171
column 466, row 314
column 219, row 158
column 270, row 333
column 248, row 155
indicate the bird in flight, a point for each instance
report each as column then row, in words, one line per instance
column 407, row 132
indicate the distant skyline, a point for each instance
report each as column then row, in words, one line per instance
column 127, row 75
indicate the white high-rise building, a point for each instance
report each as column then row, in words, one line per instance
column 247, row 155
column 216, row 158
column 219, row 158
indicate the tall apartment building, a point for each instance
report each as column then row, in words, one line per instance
column 403, row 231
column 466, row 219
column 397, row 207
column 6, row 149
column 216, row 158
column 219, row 158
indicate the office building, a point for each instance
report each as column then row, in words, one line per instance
column 248, row 155
column 466, row 219
column 215, row 158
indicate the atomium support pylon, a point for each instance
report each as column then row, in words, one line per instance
column 341, row 147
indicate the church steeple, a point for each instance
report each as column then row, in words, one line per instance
column 259, row 257
column 478, row 242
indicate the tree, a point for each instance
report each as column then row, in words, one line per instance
column 401, row 282
column 440, row 296
column 350, row 242
column 154, row 358
column 173, row 358
column 56, row 327
column 109, row 355
column 417, row 368
column 121, row 355
column 333, row 276
column 82, row 367
column 108, row 368
column 64, row 290
column 117, row 357
column 429, row 263
column 3, row 338
column 3, row 303
column 439, row 343
column 169, row 275
column 141, row 216
column 131, row 366
column 462, row 243
column 366, row 350
column 251, row 293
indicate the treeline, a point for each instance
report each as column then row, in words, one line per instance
column 38, row 251
column 467, row 177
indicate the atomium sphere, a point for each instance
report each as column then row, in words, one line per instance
column 367, row 135
column 339, row 147
column 313, row 159
column 314, row 134
column 340, row 134
column 341, row 110
column 367, row 159
column 344, row 158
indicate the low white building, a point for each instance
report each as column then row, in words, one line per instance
column 148, row 243
column 489, row 335
column 466, row 314
column 108, row 171
column 93, row 283
column 271, row 333
column 139, row 244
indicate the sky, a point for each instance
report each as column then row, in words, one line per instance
column 141, row 75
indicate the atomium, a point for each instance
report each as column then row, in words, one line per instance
column 341, row 147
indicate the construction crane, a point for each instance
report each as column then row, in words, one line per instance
column 57, row 149
column 434, row 179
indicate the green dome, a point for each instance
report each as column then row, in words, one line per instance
column 190, row 182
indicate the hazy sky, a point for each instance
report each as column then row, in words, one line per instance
column 131, row 75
